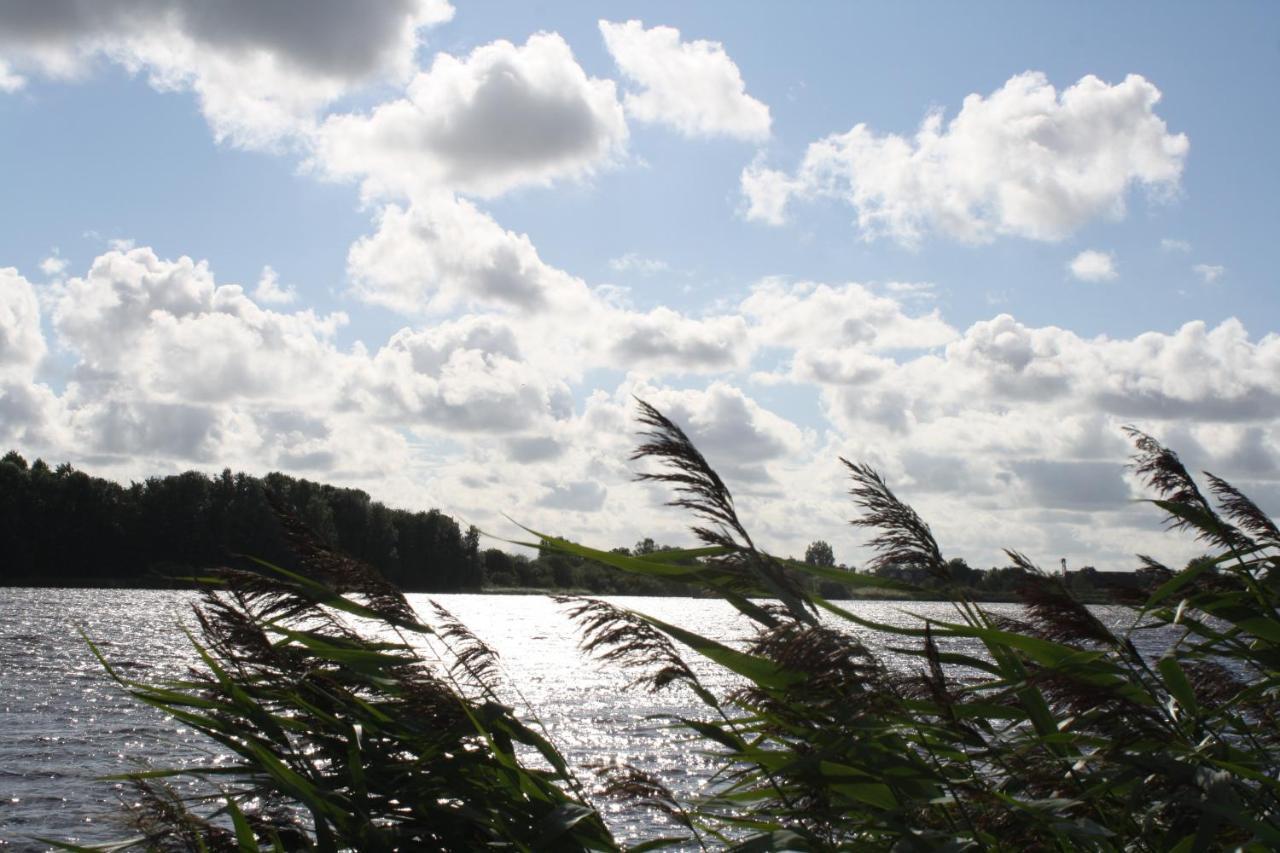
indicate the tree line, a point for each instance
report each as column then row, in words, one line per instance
column 62, row 526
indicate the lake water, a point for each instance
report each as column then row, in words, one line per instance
column 63, row 724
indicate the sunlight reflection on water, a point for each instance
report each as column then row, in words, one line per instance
column 63, row 723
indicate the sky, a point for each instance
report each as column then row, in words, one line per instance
column 437, row 251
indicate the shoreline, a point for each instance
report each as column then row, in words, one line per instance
column 163, row 584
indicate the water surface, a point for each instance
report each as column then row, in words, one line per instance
column 64, row 724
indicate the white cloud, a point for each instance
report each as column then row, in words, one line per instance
column 800, row 315
column 580, row 496
column 268, row 289
column 664, row 340
column 1025, row 161
column 1209, row 273
column 533, row 448
column 1092, row 265
column 921, row 291
column 1017, row 429
column 260, row 70
column 692, row 86
column 468, row 375
column 1168, row 244
column 190, row 339
column 502, row 117
column 53, row 266
column 207, row 377
column 633, row 262
column 767, row 192
column 10, row 82
column 1005, row 368
column 32, row 417
column 1000, row 427
column 442, row 252
column 22, row 343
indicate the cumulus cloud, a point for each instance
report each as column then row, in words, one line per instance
column 580, row 496
column 268, row 289
column 693, row 86
column 1019, row 429
column 1209, row 273
column 31, row 415
column 10, row 82
column 189, row 337
column 1092, row 265
column 667, row 341
column 1042, row 375
column 171, row 430
column 53, row 266
column 442, row 251
column 1016, row 423
column 768, row 191
column 468, row 375
column 1025, row 161
column 260, row 70
column 504, row 116
column 1168, row 244
column 800, row 315
column 208, row 376
column 533, row 448
column 22, row 344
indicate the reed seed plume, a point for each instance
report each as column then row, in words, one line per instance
column 1094, row 705
column 904, row 539
column 831, row 661
column 1159, row 570
column 623, row 781
column 238, row 637
column 1213, row 683
column 1165, row 474
column 619, row 636
column 1243, row 511
column 341, row 572
column 1163, row 471
column 698, row 487
column 1056, row 615
column 159, row 814
column 934, row 676
column 700, row 490
column 471, row 654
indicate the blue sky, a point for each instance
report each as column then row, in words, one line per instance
column 486, row 227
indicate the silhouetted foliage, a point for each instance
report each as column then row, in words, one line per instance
column 63, row 526
column 819, row 553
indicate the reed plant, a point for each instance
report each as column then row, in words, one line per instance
column 358, row 724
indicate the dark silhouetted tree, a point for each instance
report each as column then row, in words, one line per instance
column 819, row 553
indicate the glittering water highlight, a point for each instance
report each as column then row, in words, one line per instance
column 64, row 724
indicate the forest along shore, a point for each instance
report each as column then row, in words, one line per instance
column 61, row 527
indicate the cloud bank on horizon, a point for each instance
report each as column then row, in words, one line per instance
column 505, row 383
